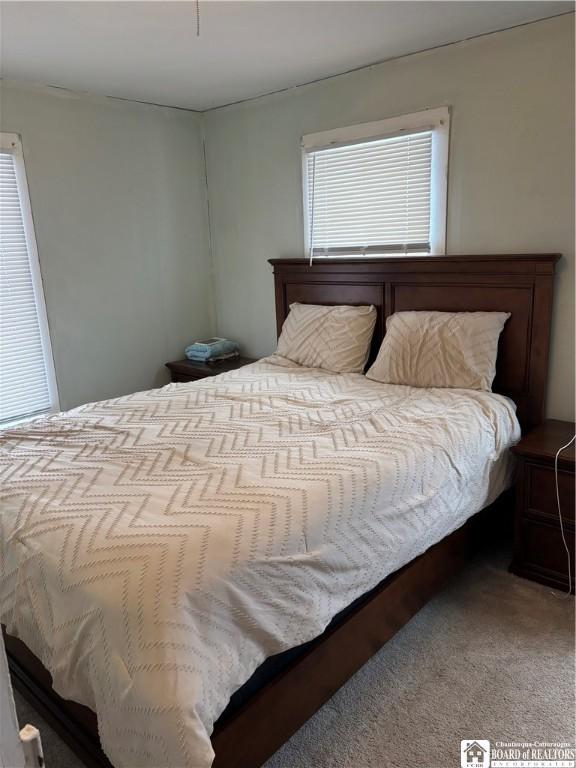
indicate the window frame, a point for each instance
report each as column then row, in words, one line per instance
column 12, row 143
column 436, row 120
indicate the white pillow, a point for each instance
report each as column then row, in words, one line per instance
column 334, row 338
column 440, row 349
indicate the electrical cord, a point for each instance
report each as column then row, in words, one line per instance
column 558, row 452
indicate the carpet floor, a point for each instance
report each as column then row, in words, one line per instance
column 491, row 657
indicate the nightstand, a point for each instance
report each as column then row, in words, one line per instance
column 190, row 370
column 539, row 553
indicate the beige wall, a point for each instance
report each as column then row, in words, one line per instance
column 511, row 183
column 119, row 202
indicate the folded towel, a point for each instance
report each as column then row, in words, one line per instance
column 200, row 351
column 202, row 358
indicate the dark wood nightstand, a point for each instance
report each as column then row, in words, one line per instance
column 189, row 370
column 539, row 553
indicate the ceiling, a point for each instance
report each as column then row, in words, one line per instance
column 149, row 51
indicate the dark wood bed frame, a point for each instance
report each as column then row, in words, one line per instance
column 520, row 284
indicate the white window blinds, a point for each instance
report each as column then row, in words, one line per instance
column 372, row 196
column 378, row 187
column 27, row 385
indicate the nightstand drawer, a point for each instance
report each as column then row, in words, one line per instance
column 541, row 551
column 182, row 377
column 542, row 491
column 190, row 370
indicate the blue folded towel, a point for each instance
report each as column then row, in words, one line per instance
column 202, row 351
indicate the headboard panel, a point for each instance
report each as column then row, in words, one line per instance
column 520, row 284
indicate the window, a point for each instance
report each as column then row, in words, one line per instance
column 27, row 382
column 378, row 188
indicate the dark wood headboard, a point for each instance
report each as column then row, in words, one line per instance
column 520, row 284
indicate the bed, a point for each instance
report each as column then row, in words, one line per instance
column 289, row 463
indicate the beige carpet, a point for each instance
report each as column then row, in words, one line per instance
column 492, row 657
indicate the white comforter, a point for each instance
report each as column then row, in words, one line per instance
column 156, row 548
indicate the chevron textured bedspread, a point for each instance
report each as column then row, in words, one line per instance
column 156, row 548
